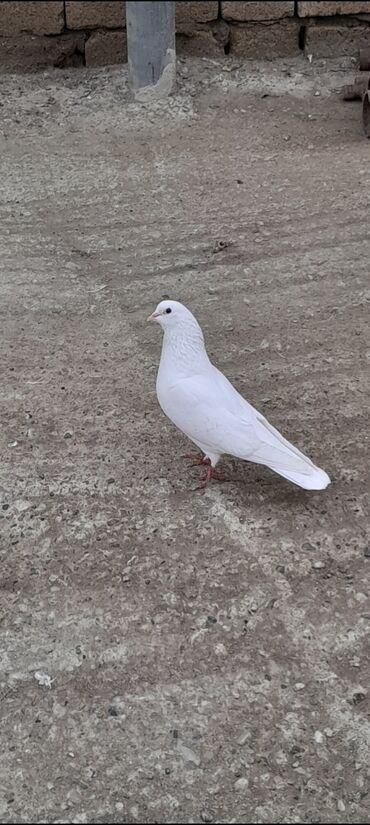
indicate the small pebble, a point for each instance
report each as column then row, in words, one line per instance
column 308, row 546
column 299, row 686
column 243, row 738
column 241, row 784
column 359, row 695
column 188, row 754
column 318, row 565
column 341, row 806
column 319, row 737
column 74, row 796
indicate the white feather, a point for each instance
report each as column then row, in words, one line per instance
column 202, row 403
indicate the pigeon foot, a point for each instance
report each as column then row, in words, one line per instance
column 197, row 459
column 210, row 473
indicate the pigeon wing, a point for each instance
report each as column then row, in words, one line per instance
column 201, row 407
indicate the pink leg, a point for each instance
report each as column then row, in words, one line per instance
column 197, row 458
column 211, row 472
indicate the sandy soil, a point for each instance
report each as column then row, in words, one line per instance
column 207, row 653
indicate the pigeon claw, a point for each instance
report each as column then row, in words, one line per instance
column 201, row 460
column 197, row 459
column 210, row 473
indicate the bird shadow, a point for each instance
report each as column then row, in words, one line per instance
column 270, row 486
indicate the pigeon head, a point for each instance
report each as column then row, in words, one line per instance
column 172, row 314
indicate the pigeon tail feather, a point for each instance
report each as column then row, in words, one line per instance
column 316, row 480
column 281, row 456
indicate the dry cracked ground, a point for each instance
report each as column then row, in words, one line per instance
column 169, row 655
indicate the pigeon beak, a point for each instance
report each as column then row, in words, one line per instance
column 153, row 316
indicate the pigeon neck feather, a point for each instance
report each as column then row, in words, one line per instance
column 183, row 348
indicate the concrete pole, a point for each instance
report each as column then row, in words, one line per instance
column 151, row 49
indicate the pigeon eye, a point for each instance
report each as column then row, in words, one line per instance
column 168, row 310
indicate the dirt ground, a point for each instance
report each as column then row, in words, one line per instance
column 170, row 655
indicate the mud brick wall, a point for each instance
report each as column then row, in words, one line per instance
column 63, row 33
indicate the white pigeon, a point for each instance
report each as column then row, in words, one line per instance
column 202, row 403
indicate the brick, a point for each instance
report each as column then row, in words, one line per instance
column 327, row 9
column 31, row 53
column 325, row 40
column 188, row 15
column 34, row 18
column 260, row 41
column 208, row 39
column 106, row 48
column 86, row 15
column 256, row 11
